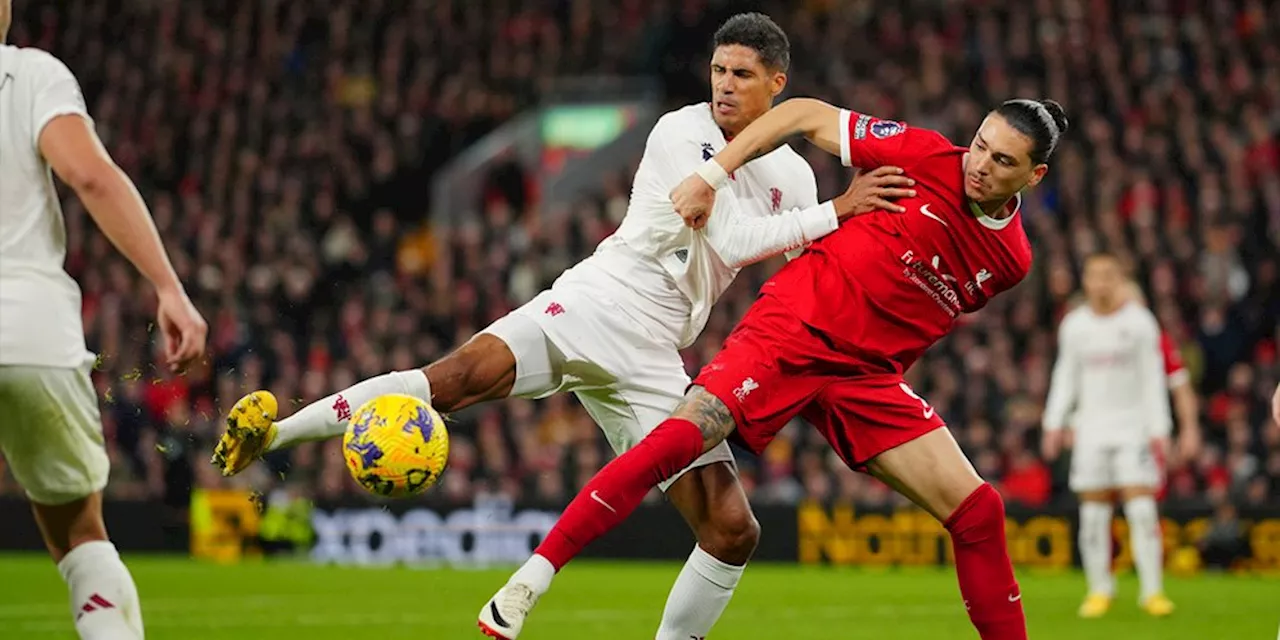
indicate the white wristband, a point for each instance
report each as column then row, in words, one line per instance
column 713, row 173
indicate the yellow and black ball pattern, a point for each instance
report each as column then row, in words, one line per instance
column 396, row 446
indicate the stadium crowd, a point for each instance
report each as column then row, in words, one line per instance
column 285, row 149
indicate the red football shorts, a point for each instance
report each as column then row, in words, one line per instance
column 774, row 367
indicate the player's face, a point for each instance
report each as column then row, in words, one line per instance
column 742, row 87
column 999, row 164
column 1103, row 282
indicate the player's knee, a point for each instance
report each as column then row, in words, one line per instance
column 731, row 535
column 471, row 373
column 978, row 517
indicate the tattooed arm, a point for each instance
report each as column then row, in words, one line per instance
column 709, row 413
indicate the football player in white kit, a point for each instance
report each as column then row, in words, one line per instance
column 611, row 327
column 50, row 430
column 1110, row 369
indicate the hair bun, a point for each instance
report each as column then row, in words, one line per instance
column 1058, row 114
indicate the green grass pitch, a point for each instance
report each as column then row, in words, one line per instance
column 619, row 601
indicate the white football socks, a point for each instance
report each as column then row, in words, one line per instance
column 1095, row 546
column 1146, row 543
column 104, row 600
column 699, row 596
column 328, row 417
column 536, row 572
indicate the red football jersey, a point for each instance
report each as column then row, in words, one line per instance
column 886, row 286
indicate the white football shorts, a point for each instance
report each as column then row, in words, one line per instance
column 1112, row 466
column 51, row 432
column 578, row 337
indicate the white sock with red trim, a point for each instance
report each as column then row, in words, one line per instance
column 104, row 601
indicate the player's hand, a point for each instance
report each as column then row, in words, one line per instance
column 182, row 329
column 693, row 200
column 1051, row 444
column 874, row 191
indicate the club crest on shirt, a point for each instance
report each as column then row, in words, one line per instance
column 707, row 151
column 775, row 199
column 886, row 129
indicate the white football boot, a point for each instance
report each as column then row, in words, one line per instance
column 503, row 616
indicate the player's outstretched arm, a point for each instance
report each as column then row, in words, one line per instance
column 77, row 156
column 814, row 119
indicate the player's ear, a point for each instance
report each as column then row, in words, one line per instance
column 1037, row 174
column 777, row 83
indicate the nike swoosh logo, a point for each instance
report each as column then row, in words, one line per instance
column 596, row 496
column 1015, row 598
column 924, row 209
column 497, row 617
column 928, row 413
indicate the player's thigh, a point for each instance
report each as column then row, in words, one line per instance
column 51, row 432
column 1137, row 470
column 880, row 423
column 512, row 357
column 769, row 368
column 1093, row 472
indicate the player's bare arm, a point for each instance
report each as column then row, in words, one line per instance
column 709, row 413
column 1187, row 407
column 814, row 119
column 77, row 156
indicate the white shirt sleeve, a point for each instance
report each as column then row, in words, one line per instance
column 1065, row 383
column 55, row 92
column 1154, row 384
column 737, row 238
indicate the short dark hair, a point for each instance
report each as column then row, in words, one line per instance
column 1044, row 121
column 758, row 32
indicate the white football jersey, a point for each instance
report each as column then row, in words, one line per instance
column 1111, row 369
column 770, row 206
column 40, row 321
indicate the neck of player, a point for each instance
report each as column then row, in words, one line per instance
column 996, row 209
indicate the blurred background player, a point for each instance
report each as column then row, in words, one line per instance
column 611, row 327
column 1186, row 404
column 832, row 333
column 1110, row 370
column 50, row 430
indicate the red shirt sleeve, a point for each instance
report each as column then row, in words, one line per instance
column 869, row 142
column 1173, row 367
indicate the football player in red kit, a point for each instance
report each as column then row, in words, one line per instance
column 833, row 332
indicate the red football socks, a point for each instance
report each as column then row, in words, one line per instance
column 990, row 592
column 619, row 488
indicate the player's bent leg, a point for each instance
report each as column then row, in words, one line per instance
column 933, row 472
column 1095, row 551
column 1147, row 543
column 701, row 422
column 104, row 600
column 485, row 368
column 713, row 502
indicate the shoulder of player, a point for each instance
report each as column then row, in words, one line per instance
column 37, row 60
column 689, row 120
column 1143, row 318
column 1075, row 318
